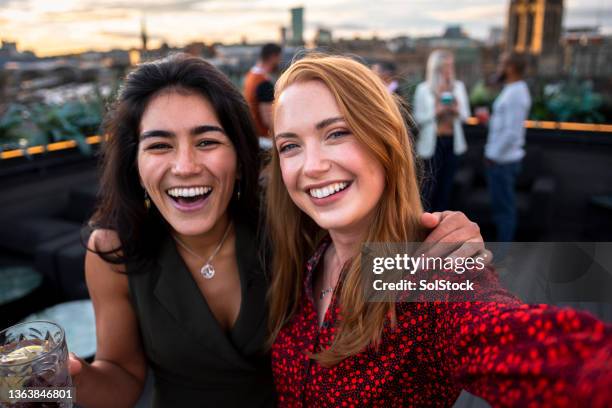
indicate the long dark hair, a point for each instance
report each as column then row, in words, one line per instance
column 121, row 206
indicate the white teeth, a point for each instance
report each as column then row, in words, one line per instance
column 189, row 192
column 327, row 190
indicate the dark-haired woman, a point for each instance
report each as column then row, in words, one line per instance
column 174, row 269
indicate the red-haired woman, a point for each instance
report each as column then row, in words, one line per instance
column 342, row 174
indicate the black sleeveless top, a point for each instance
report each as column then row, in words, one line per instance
column 194, row 362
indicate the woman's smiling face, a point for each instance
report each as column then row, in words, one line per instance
column 186, row 162
column 328, row 172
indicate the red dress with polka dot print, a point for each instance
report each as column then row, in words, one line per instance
column 508, row 353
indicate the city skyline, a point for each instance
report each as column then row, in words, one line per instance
column 71, row 26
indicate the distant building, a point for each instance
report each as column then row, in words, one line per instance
column 454, row 31
column 199, row 49
column 453, row 37
column 9, row 52
column 283, row 36
column 411, row 64
column 587, row 53
column 401, row 44
column 297, row 26
column 496, row 36
column 535, row 27
column 323, row 37
column 372, row 48
column 134, row 56
column 9, row 49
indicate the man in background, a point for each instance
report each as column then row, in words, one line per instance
column 259, row 89
column 504, row 149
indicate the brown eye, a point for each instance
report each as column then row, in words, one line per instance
column 207, row 143
column 158, row 146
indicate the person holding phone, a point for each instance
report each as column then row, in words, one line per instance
column 440, row 106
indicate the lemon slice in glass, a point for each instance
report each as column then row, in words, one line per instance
column 22, row 354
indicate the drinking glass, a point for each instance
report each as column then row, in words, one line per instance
column 34, row 355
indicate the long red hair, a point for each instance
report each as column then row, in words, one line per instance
column 375, row 118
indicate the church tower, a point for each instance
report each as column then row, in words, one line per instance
column 534, row 26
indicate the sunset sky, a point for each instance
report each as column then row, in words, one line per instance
column 51, row 27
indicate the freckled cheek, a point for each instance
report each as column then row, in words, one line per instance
column 290, row 173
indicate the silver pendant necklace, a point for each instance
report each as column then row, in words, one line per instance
column 325, row 292
column 330, row 287
column 207, row 270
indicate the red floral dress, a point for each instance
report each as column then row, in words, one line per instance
column 508, row 353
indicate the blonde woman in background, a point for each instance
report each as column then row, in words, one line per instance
column 440, row 107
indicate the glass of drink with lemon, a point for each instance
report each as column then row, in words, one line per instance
column 33, row 355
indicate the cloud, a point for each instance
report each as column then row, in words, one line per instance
column 593, row 13
column 85, row 15
column 349, row 26
column 145, row 5
column 471, row 14
column 7, row 3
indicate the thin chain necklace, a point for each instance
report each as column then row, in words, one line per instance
column 325, row 292
column 207, row 270
column 330, row 289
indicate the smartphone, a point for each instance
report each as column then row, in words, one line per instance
column 447, row 98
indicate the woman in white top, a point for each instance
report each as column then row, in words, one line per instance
column 440, row 106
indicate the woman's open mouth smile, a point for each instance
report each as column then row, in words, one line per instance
column 189, row 198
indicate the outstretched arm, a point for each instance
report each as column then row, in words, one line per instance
column 514, row 354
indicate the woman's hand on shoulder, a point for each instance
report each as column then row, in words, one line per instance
column 452, row 234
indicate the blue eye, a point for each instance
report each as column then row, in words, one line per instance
column 287, row 147
column 339, row 133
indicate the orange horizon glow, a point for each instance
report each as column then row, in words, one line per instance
column 61, row 27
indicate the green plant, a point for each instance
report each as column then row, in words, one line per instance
column 23, row 126
column 16, row 130
column 574, row 101
column 481, row 95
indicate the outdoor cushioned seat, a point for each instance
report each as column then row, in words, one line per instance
column 70, row 262
column 81, row 203
column 48, row 260
column 24, row 235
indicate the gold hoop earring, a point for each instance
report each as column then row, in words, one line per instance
column 147, row 200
